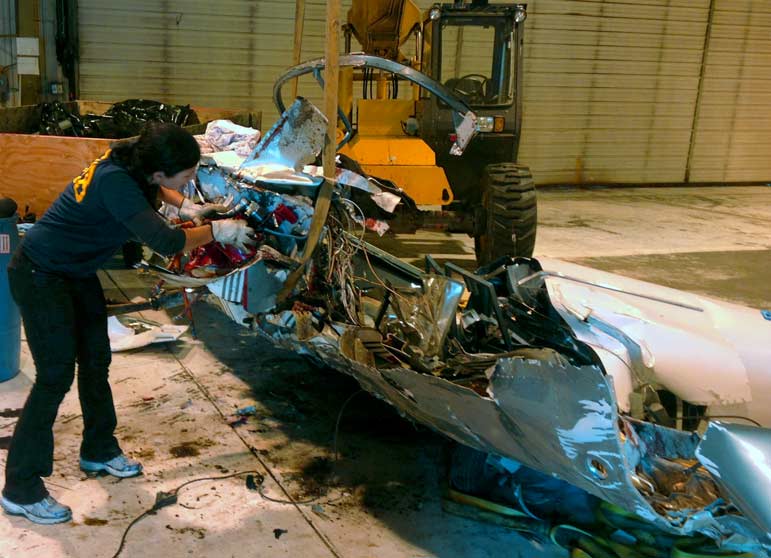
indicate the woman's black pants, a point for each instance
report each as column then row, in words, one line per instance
column 65, row 321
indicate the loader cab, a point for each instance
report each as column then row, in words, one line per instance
column 475, row 50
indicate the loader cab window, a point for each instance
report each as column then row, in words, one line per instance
column 475, row 59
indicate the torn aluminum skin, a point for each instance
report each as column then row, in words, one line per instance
column 706, row 351
column 276, row 173
column 140, row 334
column 295, row 140
column 738, row 457
column 569, row 393
column 556, row 366
column 543, row 409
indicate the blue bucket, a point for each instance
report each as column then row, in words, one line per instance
column 10, row 321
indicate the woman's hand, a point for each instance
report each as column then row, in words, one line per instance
column 196, row 213
column 233, row 231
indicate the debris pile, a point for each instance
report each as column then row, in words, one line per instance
column 561, row 369
column 224, row 135
column 136, row 333
column 122, row 120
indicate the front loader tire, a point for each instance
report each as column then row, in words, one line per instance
column 508, row 213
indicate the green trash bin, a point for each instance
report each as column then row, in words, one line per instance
column 10, row 320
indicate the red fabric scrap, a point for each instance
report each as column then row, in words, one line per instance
column 284, row 213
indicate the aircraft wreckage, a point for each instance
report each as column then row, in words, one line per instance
column 551, row 365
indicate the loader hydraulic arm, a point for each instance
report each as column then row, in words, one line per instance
column 383, row 26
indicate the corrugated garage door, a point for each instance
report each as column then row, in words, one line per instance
column 732, row 141
column 610, row 89
column 220, row 54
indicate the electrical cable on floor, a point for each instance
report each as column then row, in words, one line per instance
column 125, row 533
column 255, row 454
column 288, row 502
column 163, row 499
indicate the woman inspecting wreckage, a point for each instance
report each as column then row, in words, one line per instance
column 53, row 280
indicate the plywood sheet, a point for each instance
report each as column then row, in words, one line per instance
column 35, row 169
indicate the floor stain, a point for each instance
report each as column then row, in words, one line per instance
column 315, row 478
column 10, row 413
column 199, row 533
column 190, row 449
column 94, row 521
column 144, row 453
column 577, row 223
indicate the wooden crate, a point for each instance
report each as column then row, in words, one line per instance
column 34, row 169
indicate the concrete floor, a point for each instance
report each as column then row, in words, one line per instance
column 712, row 241
column 382, row 496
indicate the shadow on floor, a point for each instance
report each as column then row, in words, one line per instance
column 394, row 469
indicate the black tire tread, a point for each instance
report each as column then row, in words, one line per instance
column 510, row 204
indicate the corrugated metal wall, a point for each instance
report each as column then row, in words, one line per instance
column 475, row 57
column 732, row 137
column 219, row 54
column 8, row 50
column 610, row 89
column 616, row 91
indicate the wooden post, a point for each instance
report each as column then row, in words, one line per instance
column 299, row 24
column 331, row 77
column 323, row 199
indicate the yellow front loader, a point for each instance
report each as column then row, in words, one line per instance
column 407, row 102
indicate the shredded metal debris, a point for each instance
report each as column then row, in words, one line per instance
column 599, row 380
